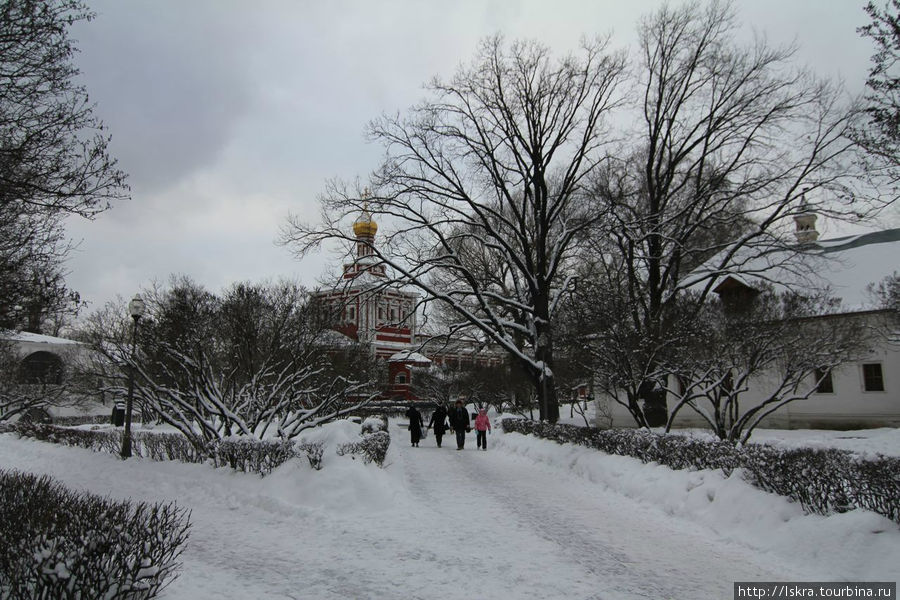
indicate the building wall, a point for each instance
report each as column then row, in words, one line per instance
column 850, row 406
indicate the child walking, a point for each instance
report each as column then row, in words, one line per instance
column 482, row 426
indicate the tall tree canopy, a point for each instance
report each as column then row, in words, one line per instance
column 500, row 187
column 880, row 135
column 54, row 158
column 729, row 142
column 482, row 192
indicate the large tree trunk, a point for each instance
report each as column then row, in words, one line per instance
column 545, row 379
column 655, row 410
column 549, row 402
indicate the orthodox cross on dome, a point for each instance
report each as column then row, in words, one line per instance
column 365, row 227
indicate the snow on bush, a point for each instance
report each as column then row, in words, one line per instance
column 373, row 424
column 372, row 448
column 342, row 437
column 62, row 544
column 822, row 480
column 314, row 452
column 249, row 455
column 75, row 420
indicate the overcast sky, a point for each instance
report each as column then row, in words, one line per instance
column 227, row 115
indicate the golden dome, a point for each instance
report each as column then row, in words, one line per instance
column 364, row 226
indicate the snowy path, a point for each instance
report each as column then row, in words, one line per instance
column 617, row 548
column 459, row 525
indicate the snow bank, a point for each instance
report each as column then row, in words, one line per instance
column 854, row 545
column 332, row 435
column 865, row 442
column 344, row 483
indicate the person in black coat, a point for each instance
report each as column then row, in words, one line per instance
column 459, row 422
column 415, row 425
column 439, row 422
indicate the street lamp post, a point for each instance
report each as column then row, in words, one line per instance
column 136, row 308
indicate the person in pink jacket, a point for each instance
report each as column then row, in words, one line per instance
column 482, row 426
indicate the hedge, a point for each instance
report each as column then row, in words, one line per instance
column 246, row 455
column 62, row 544
column 373, row 447
column 250, row 455
column 822, row 480
column 75, row 420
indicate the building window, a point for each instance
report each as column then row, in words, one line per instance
column 393, row 315
column 351, row 314
column 873, row 379
column 401, row 378
column 825, row 384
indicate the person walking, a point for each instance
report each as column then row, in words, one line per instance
column 482, row 427
column 439, row 423
column 459, row 422
column 415, row 425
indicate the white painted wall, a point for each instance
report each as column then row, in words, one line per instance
column 849, row 407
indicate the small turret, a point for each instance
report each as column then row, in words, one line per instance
column 805, row 223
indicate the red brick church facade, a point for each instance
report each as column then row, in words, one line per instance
column 372, row 311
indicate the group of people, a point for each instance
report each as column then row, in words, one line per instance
column 459, row 423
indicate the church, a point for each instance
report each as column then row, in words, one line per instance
column 369, row 307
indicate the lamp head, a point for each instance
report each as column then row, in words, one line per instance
column 137, row 307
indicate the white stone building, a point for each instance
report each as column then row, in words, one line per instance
column 42, row 358
column 858, row 394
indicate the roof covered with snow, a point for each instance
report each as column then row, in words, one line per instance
column 35, row 338
column 408, row 356
column 846, row 266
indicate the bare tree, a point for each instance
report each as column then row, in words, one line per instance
column 880, row 133
column 781, row 345
column 53, row 155
column 495, row 160
column 730, row 142
column 209, row 406
column 251, row 362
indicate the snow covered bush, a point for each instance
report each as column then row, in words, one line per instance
column 823, row 481
column 156, row 446
column 75, row 420
column 826, row 480
column 250, row 455
column 99, row 441
column 372, row 448
column 314, row 452
column 62, row 544
column 257, row 361
column 374, row 424
column 164, row 446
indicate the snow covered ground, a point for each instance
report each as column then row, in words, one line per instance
column 867, row 442
column 526, row 519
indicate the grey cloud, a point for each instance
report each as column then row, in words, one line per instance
column 169, row 83
column 225, row 112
